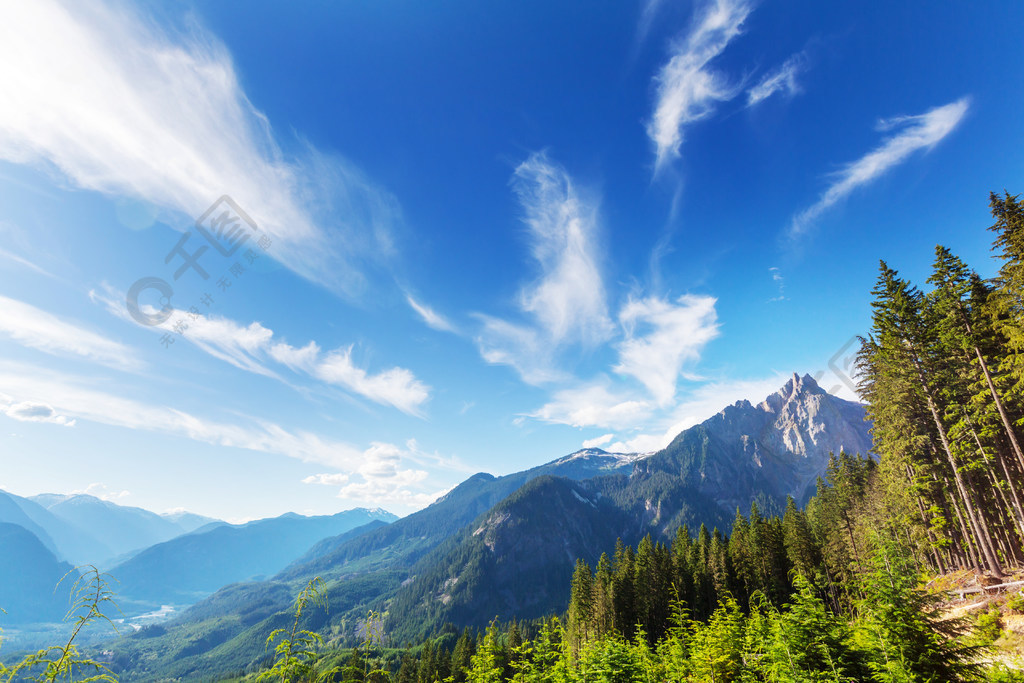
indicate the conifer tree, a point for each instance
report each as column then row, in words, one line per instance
column 581, row 606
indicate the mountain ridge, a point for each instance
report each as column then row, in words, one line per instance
column 432, row 566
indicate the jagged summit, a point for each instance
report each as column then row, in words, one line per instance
column 792, row 390
column 776, row 448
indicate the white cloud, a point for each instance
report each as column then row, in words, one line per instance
column 598, row 441
column 779, row 280
column 251, row 347
column 102, row 492
column 594, row 405
column 121, row 106
column 687, row 88
column 431, row 317
column 24, row 262
column 782, row 80
column 567, row 302
column 382, row 472
column 30, row 411
column 301, row 358
column 701, row 403
column 647, row 16
column 661, row 337
column 520, row 346
column 397, row 387
column 328, row 479
column 382, row 478
column 35, row 328
column 922, row 131
column 76, row 400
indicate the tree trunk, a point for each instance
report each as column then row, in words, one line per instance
column 982, row 536
column 939, row 565
column 1018, row 516
column 1007, row 425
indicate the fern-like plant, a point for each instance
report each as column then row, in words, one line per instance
column 296, row 655
column 90, row 596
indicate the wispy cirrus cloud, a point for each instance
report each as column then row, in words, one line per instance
column 121, row 106
column 75, row 398
column 21, row 261
column 568, row 299
column 661, row 336
column 648, row 14
column 256, row 348
column 655, row 340
column 780, row 281
column 431, row 317
column 566, row 304
column 35, row 328
column 912, row 133
column 382, row 469
column 687, row 87
column 781, row 80
column 396, row 386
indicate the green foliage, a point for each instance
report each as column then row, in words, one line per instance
column 988, row 627
column 900, row 628
column 296, row 652
column 90, row 596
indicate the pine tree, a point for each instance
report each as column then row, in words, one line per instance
column 581, row 606
column 801, row 548
column 906, row 351
column 603, row 618
column 462, row 655
column 901, row 628
column 488, row 663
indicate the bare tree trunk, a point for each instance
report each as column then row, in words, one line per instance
column 924, row 520
column 968, row 541
column 982, row 535
column 1018, row 517
column 1007, row 425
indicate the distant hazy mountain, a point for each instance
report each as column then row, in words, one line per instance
column 83, row 529
column 67, row 540
column 120, row 528
column 190, row 567
column 29, row 574
column 188, row 521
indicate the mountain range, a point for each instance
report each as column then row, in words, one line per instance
column 506, row 546
column 82, row 529
column 190, row 567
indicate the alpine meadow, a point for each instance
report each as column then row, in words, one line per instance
column 652, row 341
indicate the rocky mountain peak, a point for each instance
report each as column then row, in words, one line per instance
column 797, row 389
column 779, row 446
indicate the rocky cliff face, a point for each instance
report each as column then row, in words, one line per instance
column 767, row 451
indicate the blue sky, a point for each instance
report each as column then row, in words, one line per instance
column 485, row 234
